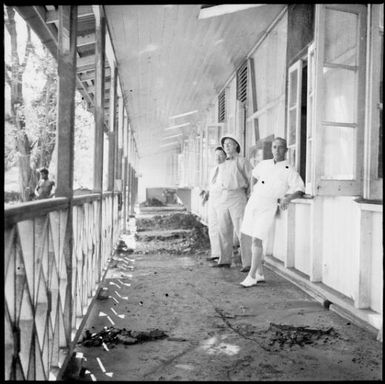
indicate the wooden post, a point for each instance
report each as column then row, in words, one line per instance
column 66, row 58
column 129, row 158
column 99, row 99
column 99, row 120
column 111, row 149
column 125, row 167
column 112, row 131
column 119, row 145
column 66, row 100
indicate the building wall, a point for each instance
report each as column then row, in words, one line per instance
column 300, row 29
column 153, row 168
column 332, row 239
column 338, row 232
column 302, row 238
column 377, row 262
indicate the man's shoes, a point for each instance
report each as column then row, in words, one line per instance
column 245, row 269
column 249, row 282
column 212, row 258
column 259, row 278
column 222, row 265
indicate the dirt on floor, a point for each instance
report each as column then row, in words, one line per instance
column 164, row 314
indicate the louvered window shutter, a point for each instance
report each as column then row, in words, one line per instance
column 242, row 83
column 221, row 107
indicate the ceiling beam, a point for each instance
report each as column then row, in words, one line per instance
column 88, row 67
column 107, row 86
column 83, row 11
column 88, row 39
column 91, row 75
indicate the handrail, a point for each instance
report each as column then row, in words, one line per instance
column 31, row 209
column 81, row 199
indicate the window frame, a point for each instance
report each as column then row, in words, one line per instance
column 310, row 122
column 373, row 185
column 322, row 185
column 296, row 145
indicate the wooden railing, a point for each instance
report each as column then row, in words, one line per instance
column 51, row 274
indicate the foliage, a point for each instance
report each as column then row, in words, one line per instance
column 30, row 116
column 84, row 149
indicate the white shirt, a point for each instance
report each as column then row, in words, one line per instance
column 276, row 179
column 214, row 186
column 234, row 173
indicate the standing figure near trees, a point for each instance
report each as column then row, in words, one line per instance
column 213, row 195
column 45, row 187
column 277, row 184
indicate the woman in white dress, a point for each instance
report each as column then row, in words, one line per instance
column 277, row 184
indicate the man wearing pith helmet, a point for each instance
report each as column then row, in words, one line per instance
column 234, row 177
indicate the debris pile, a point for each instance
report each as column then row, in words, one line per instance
column 152, row 202
column 290, row 335
column 190, row 234
column 111, row 336
column 174, row 221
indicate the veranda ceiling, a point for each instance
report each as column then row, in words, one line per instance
column 170, row 62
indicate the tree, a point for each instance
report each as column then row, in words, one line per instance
column 33, row 126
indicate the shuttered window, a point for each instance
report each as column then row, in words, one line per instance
column 222, row 107
column 242, row 83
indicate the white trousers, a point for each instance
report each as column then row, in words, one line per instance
column 213, row 226
column 230, row 215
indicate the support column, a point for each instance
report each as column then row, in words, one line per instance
column 99, row 99
column 66, row 58
column 112, row 131
column 111, row 149
column 100, row 37
column 129, row 168
column 66, row 100
column 119, row 159
column 124, row 175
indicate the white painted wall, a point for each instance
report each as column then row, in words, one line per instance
column 279, row 244
column 338, row 267
column 154, row 173
column 377, row 272
column 302, row 238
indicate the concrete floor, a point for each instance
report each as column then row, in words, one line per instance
column 218, row 330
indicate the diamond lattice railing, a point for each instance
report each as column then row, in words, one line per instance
column 48, row 286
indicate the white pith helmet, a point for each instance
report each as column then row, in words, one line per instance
column 230, row 136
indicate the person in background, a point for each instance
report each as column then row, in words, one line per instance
column 234, row 179
column 45, row 187
column 277, row 184
column 212, row 196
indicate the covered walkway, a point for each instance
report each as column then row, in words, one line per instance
column 216, row 330
column 164, row 83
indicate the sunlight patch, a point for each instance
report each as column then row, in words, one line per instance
column 212, row 348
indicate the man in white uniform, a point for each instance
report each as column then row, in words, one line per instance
column 213, row 196
column 234, row 177
column 277, row 184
